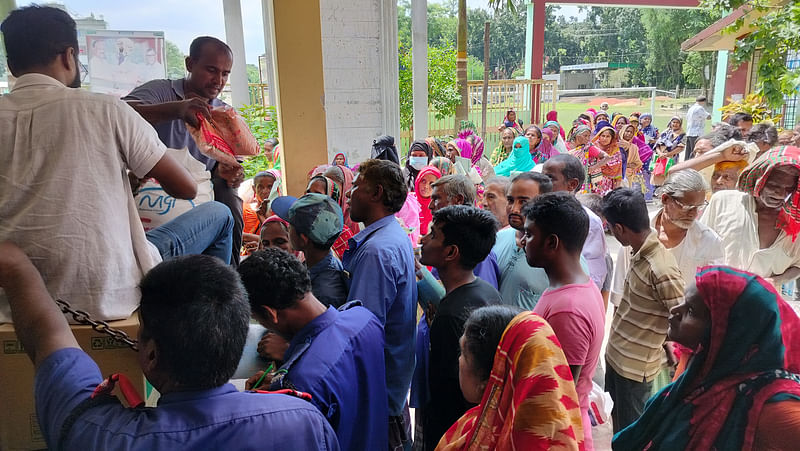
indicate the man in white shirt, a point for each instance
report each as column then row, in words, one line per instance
column 693, row 244
column 760, row 222
column 65, row 198
column 696, row 119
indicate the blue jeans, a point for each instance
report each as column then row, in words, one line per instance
column 205, row 229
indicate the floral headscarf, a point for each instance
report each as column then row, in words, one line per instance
column 529, row 403
column 444, row 165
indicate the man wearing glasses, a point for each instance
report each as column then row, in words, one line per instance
column 694, row 245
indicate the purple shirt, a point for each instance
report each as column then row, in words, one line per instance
column 219, row 418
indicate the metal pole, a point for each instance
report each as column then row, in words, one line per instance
column 485, row 97
column 653, row 102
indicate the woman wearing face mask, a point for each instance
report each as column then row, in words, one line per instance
column 520, row 159
column 419, row 155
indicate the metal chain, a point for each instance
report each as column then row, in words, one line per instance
column 81, row 317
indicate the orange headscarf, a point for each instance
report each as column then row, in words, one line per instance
column 529, row 403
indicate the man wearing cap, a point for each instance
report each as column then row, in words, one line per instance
column 334, row 355
column 315, row 222
column 696, row 119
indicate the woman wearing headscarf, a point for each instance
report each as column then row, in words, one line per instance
column 340, row 159
column 419, row 155
column 552, row 116
column 476, row 156
column 741, row 389
column 618, row 121
column 423, row 191
column 255, row 209
column 545, row 150
column 520, row 159
column 579, row 137
column 511, row 121
column 503, row 149
column 669, row 145
column 344, row 176
column 436, row 146
column 444, row 165
column 558, row 140
column 612, row 170
column 529, row 401
column 383, row 149
column 648, row 130
column 629, row 143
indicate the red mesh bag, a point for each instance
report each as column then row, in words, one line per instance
column 225, row 136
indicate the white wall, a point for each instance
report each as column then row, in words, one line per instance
column 359, row 57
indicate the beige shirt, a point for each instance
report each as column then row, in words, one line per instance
column 732, row 214
column 700, row 247
column 64, row 195
column 652, row 287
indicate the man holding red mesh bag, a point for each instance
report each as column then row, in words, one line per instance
column 179, row 109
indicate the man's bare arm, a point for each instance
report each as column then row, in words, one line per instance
column 38, row 322
column 185, row 110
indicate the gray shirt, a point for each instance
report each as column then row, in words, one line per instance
column 172, row 133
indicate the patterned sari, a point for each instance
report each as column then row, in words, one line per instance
column 749, row 357
column 529, row 402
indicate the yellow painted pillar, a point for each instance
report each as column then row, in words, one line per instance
column 300, row 88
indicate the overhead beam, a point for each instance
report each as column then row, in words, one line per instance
column 633, row 3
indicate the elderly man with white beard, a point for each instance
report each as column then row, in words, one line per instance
column 694, row 245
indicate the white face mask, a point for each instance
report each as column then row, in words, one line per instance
column 418, row 162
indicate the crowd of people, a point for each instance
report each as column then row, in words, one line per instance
column 472, row 288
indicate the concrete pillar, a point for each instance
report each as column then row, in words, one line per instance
column 269, row 69
column 419, row 66
column 528, row 39
column 390, row 82
column 234, row 37
column 299, row 87
column 719, row 85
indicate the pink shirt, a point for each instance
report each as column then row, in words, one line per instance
column 576, row 314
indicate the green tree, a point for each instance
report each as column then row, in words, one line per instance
column 176, row 65
column 442, row 93
column 775, row 34
column 253, row 74
column 474, row 68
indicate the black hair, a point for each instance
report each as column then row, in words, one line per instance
column 264, row 174
column 482, row 333
column 195, row 309
column 544, row 182
column 35, row 35
column 739, row 117
column 470, row 229
column 534, row 127
column 273, row 141
column 626, row 207
column 573, row 168
column 763, row 133
column 721, row 133
column 560, row 214
column 592, row 201
column 389, row 176
column 196, row 47
column 273, row 278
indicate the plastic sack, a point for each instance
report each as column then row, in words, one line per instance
column 156, row 207
column 600, row 405
column 225, row 136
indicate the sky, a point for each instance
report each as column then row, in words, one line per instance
column 182, row 21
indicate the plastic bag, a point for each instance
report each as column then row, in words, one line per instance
column 600, row 405
column 224, row 136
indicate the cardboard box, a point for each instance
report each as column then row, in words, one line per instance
column 19, row 428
